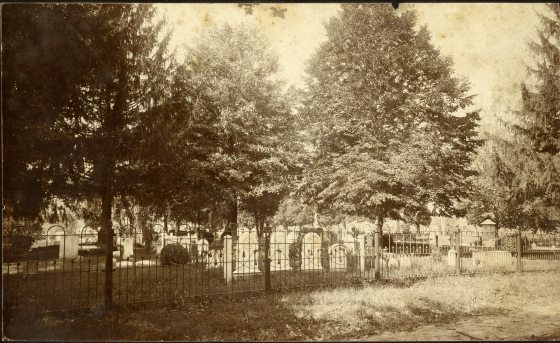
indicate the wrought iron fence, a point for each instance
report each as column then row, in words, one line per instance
column 65, row 271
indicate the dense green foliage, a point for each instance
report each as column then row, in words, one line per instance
column 173, row 254
column 519, row 176
column 98, row 113
column 389, row 122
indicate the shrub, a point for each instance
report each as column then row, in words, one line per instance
column 49, row 252
column 295, row 255
column 174, row 254
column 352, row 262
column 17, row 248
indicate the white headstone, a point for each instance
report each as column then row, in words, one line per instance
column 202, row 248
column 337, row 253
column 88, row 235
column 311, row 252
column 202, row 245
column 279, row 252
column 451, row 257
column 69, row 246
column 247, row 254
column 162, row 237
column 128, row 247
column 215, row 258
column 185, row 241
column 392, row 260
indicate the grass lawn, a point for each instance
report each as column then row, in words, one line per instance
column 339, row 313
column 80, row 286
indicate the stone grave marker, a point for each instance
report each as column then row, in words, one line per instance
column 311, row 252
column 337, row 254
column 451, row 257
column 279, row 252
column 202, row 247
column 69, row 246
column 215, row 258
column 128, row 247
column 392, row 260
column 88, row 235
column 159, row 243
column 247, row 254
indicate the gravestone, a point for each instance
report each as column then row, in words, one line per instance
column 215, row 258
column 533, row 245
column 159, row 243
column 337, row 254
column 392, row 261
column 279, row 252
column 311, row 252
column 451, row 258
column 247, row 254
column 185, row 242
column 128, row 247
column 202, row 248
column 69, row 246
column 89, row 235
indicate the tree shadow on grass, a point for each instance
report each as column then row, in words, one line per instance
column 256, row 317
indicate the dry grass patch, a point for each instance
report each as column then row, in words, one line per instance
column 377, row 308
column 341, row 313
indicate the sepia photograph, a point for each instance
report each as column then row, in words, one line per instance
column 280, row 171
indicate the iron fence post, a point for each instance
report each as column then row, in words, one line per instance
column 267, row 285
column 458, row 248
column 227, row 259
column 377, row 247
column 519, row 265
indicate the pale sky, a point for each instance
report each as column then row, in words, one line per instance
column 487, row 42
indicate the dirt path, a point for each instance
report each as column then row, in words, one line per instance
column 543, row 324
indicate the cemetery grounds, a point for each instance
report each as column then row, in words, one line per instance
column 518, row 306
column 319, row 286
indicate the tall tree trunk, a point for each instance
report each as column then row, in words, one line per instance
column 106, row 217
column 107, row 164
column 231, row 217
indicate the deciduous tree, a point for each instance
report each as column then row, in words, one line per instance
column 390, row 123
